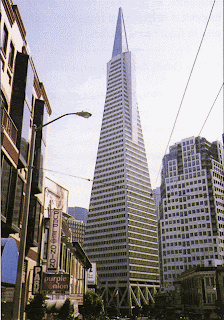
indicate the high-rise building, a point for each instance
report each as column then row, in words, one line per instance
column 77, row 228
column 157, row 199
column 121, row 233
column 191, row 222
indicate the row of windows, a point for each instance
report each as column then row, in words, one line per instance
column 186, row 228
column 137, row 161
column 188, row 205
column 119, row 101
column 111, row 84
column 139, row 241
column 114, row 108
column 112, row 268
column 113, row 92
column 185, row 177
column 4, row 47
column 104, row 143
column 107, row 113
column 188, row 235
column 109, row 149
column 105, row 224
column 134, row 150
column 187, row 251
column 106, row 235
column 111, row 125
column 187, row 243
column 113, row 248
column 115, row 68
column 110, row 153
column 147, row 198
column 106, row 212
column 106, row 255
column 185, row 191
column 108, row 206
column 186, row 213
column 114, row 129
column 106, row 195
column 113, row 261
column 115, row 61
column 188, row 259
column 112, row 118
column 106, row 218
column 109, row 168
column 131, row 178
column 114, row 134
column 142, row 166
column 103, row 184
column 93, row 204
column 134, row 200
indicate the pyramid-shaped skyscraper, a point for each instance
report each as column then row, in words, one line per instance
column 121, row 234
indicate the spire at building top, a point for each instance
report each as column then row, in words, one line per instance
column 120, row 41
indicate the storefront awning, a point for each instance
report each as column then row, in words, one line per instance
column 9, row 260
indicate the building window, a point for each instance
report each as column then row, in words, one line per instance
column 33, row 224
column 5, row 186
column 5, row 36
column 11, row 55
column 18, row 202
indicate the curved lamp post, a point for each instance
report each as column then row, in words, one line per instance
column 23, row 234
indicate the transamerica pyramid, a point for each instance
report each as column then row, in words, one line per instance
column 121, row 233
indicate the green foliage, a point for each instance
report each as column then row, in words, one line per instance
column 93, row 306
column 66, row 311
column 36, row 307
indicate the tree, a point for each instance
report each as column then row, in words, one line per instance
column 36, row 307
column 92, row 306
column 66, row 311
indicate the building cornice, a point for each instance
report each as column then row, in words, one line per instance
column 19, row 21
column 45, row 98
column 9, row 11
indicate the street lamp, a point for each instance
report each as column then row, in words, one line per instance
column 23, row 235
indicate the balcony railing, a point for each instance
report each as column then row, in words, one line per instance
column 9, row 125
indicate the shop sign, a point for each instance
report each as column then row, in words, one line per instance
column 56, row 282
column 37, row 275
column 7, row 294
column 78, row 297
column 54, row 240
column 92, row 274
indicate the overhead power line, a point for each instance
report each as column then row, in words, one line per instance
column 211, row 109
column 187, row 84
column 67, row 174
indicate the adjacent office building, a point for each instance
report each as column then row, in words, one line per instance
column 121, row 233
column 24, row 103
column 77, row 228
column 191, row 220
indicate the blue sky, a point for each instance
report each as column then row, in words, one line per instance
column 71, row 43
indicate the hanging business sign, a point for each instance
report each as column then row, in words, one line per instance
column 37, row 277
column 56, row 282
column 54, row 240
column 92, row 275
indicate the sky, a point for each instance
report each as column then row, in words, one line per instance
column 71, row 42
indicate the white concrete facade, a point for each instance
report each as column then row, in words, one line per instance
column 192, row 213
